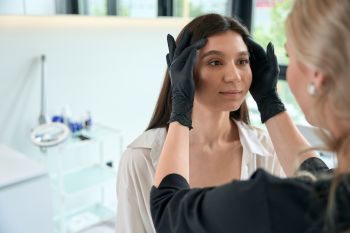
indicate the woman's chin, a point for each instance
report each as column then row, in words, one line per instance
column 231, row 108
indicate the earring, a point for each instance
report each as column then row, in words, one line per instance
column 311, row 89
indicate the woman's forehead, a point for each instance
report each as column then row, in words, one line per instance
column 225, row 41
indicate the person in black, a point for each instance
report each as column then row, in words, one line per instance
column 318, row 200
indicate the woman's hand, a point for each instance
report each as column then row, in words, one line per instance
column 265, row 72
column 174, row 157
column 181, row 60
column 285, row 136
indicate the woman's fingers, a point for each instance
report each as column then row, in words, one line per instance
column 168, row 61
column 191, row 61
column 256, row 51
column 171, row 47
column 184, row 42
column 180, row 60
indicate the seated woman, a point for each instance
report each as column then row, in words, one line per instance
column 223, row 146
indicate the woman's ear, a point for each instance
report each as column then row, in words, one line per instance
column 319, row 80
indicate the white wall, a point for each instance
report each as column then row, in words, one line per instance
column 111, row 66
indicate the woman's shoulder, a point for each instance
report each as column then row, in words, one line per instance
column 140, row 152
column 148, row 138
column 137, row 164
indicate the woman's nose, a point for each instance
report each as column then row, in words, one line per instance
column 232, row 73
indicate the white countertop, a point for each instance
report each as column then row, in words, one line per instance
column 16, row 167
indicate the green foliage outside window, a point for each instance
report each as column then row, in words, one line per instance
column 200, row 7
column 275, row 31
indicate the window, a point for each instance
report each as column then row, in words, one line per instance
column 124, row 8
column 268, row 25
column 138, row 8
column 93, row 7
column 19, row 7
column 193, row 8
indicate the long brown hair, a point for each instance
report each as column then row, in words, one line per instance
column 200, row 27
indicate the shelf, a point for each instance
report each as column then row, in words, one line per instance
column 97, row 133
column 85, row 218
column 82, row 180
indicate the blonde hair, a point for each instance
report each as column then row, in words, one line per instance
column 320, row 32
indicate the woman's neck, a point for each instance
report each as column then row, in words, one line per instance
column 338, row 126
column 339, row 130
column 211, row 127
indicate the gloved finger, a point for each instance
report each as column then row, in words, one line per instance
column 256, row 51
column 271, row 57
column 181, row 60
column 168, row 60
column 197, row 45
column 247, row 40
column 183, row 43
column 191, row 61
column 171, row 47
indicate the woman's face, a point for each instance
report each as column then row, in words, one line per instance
column 222, row 74
column 299, row 77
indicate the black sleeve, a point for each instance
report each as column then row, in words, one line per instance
column 239, row 206
column 315, row 166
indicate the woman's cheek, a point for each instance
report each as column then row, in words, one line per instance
column 247, row 77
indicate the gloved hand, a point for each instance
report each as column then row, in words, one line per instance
column 265, row 72
column 181, row 60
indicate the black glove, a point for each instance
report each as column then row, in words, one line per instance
column 181, row 60
column 265, row 72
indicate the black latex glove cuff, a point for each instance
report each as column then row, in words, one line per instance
column 183, row 115
column 269, row 106
column 183, row 119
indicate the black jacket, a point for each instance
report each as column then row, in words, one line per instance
column 262, row 204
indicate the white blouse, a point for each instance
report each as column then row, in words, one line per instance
column 138, row 165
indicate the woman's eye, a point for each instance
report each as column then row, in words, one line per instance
column 215, row 63
column 243, row 62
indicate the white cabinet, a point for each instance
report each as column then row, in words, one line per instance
column 25, row 200
column 83, row 177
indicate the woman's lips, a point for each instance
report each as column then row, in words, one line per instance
column 230, row 93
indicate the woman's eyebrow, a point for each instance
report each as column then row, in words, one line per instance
column 243, row 53
column 212, row 52
column 219, row 53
